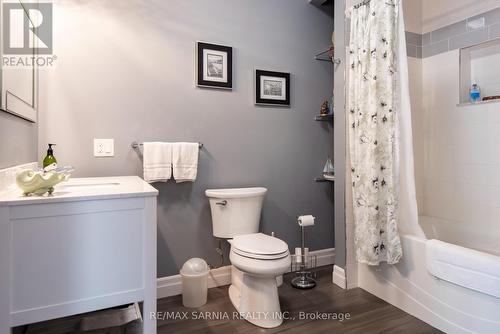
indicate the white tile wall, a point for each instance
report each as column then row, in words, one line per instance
column 415, row 74
column 461, row 151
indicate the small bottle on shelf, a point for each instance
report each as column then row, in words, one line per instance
column 475, row 93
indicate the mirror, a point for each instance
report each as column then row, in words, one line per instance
column 18, row 66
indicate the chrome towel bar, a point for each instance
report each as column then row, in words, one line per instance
column 136, row 145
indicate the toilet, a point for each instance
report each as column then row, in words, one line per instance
column 257, row 259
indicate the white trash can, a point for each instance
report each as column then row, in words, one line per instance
column 194, row 275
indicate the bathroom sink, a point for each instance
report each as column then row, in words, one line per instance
column 86, row 189
column 89, row 184
column 83, row 186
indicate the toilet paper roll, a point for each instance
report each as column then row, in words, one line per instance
column 307, row 220
column 298, row 254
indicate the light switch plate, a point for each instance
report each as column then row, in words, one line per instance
column 104, row 147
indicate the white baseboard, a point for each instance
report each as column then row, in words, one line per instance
column 338, row 277
column 324, row 257
column 172, row 285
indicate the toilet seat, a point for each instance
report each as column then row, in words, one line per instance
column 261, row 256
column 259, row 246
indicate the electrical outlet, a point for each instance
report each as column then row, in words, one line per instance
column 476, row 24
column 104, row 147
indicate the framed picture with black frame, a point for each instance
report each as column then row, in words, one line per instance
column 214, row 66
column 272, row 88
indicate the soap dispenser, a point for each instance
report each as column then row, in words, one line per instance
column 50, row 162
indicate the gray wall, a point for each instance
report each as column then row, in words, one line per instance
column 340, row 135
column 18, row 140
column 126, row 71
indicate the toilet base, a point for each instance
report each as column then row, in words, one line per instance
column 237, row 278
column 257, row 301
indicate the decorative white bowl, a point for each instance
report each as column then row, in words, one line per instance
column 40, row 182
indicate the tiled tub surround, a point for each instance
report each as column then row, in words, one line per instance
column 454, row 36
column 458, row 187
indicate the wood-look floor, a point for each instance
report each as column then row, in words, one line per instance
column 368, row 314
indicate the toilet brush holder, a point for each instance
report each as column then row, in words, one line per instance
column 303, row 265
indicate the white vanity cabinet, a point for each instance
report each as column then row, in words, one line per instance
column 90, row 246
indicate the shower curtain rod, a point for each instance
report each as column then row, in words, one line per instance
column 364, row 3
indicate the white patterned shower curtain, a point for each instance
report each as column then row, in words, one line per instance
column 373, row 112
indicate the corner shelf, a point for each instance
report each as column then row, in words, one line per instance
column 324, row 118
column 326, row 55
column 323, row 179
column 321, row 2
column 470, row 104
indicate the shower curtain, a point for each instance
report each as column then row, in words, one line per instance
column 378, row 110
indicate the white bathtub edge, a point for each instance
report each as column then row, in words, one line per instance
column 410, row 287
column 468, row 268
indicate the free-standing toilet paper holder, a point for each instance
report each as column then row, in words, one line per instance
column 303, row 264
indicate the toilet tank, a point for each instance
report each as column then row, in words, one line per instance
column 235, row 211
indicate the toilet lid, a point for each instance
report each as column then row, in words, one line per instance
column 259, row 244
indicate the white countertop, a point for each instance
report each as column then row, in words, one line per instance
column 84, row 189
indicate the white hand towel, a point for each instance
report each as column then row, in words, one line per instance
column 157, row 162
column 185, row 161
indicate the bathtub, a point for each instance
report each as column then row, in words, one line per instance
column 463, row 255
column 451, row 279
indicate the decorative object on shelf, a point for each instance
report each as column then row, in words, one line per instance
column 328, row 170
column 39, row 183
column 325, row 108
column 272, row 88
column 214, row 66
column 475, row 93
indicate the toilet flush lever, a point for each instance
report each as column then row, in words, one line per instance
column 224, row 202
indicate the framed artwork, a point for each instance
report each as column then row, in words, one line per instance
column 272, row 88
column 214, row 66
